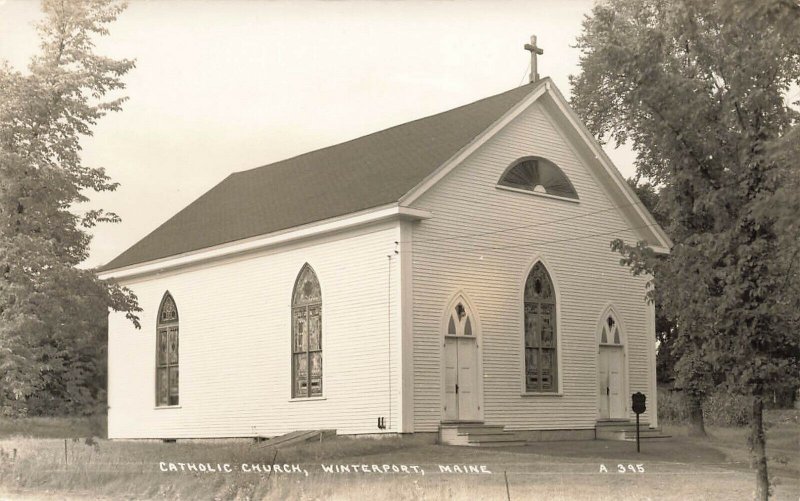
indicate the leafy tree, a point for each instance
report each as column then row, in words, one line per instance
column 52, row 314
column 697, row 87
column 666, row 331
column 676, row 359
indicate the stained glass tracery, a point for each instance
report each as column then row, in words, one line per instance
column 306, row 335
column 610, row 333
column 540, row 331
column 460, row 323
column 167, row 372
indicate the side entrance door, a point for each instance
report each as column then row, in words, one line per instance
column 461, row 392
column 610, row 382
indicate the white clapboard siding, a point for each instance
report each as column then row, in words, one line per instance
column 491, row 269
column 235, row 343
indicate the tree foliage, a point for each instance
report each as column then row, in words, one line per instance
column 666, row 331
column 698, row 88
column 53, row 314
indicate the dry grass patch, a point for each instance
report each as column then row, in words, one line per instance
column 680, row 468
column 54, row 427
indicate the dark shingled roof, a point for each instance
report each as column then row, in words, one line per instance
column 367, row 172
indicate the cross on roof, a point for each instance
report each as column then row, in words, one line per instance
column 534, row 50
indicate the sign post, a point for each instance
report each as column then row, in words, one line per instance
column 638, row 406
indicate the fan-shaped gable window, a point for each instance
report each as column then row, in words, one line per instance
column 538, row 175
column 540, row 331
column 306, row 335
column 167, row 353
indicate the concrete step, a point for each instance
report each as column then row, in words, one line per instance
column 477, row 435
column 479, row 430
column 625, row 429
column 503, row 437
column 612, row 421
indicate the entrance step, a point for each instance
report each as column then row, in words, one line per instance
column 625, row 429
column 478, row 435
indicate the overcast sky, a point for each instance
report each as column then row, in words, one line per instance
column 226, row 86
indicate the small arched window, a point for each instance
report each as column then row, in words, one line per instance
column 538, row 175
column 167, row 353
column 460, row 323
column 540, row 332
column 306, row 335
column 610, row 331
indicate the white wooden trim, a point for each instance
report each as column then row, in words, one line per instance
column 377, row 214
column 406, row 327
column 476, row 143
column 609, row 308
column 545, row 195
column 651, row 352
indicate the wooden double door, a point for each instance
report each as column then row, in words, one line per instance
column 461, row 378
column 461, row 365
column 611, row 382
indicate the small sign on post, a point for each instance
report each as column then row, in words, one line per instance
column 638, row 406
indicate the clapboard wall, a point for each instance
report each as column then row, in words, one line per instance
column 235, row 343
column 469, row 246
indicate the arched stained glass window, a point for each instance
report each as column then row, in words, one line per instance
column 460, row 323
column 306, row 335
column 167, row 353
column 540, row 331
column 539, row 176
column 610, row 333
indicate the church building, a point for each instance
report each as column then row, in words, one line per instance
column 453, row 270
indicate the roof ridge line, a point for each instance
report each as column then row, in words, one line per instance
column 533, row 85
column 416, row 191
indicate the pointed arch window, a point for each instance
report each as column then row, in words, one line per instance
column 610, row 331
column 541, row 361
column 460, row 323
column 538, row 175
column 306, row 335
column 167, row 386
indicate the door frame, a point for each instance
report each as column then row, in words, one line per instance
column 609, row 309
column 614, row 349
column 477, row 330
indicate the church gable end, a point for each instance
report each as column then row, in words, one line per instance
column 496, row 214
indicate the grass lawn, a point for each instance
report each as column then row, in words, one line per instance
column 678, row 468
